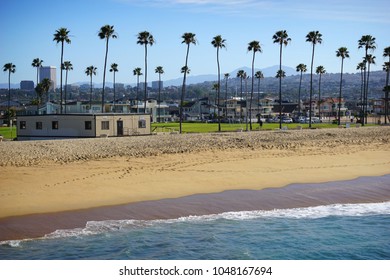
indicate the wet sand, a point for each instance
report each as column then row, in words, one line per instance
column 361, row 190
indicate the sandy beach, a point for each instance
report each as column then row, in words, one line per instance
column 39, row 178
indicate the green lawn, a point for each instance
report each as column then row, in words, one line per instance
column 189, row 127
column 213, row 127
column 7, row 132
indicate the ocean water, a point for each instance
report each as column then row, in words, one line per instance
column 340, row 231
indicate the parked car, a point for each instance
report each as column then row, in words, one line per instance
column 313, row 120
column 272, row 120
column 303, row 120
column 287, row 120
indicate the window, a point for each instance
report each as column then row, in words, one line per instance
column 38, row 125
column 22, row 125
column 54, row 125
column 141, row 124
column 105, row 125
column 88, row 125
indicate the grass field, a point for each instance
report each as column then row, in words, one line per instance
column 189, row 127
column 213, row 127
column 7, row 132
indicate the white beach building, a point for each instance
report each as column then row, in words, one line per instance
column 55, row 126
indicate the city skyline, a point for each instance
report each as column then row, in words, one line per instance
column 239, row 22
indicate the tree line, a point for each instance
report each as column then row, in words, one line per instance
column 144, row 38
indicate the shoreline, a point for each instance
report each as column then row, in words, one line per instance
column 360, row 190
column 49, row 178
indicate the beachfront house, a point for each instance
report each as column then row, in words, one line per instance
column 81, row 126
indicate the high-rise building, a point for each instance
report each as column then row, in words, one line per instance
column 48, row 72
column 26, row 85
column 155, row 84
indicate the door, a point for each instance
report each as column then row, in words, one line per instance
column 119, row 128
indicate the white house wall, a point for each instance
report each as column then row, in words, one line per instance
column 74, row 126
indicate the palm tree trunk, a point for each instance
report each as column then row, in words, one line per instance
column 90, row 97
column 9, row 96
column 104, row 75
column 183, row 91
column 114, row 93
column 146, row 77
column 299, row 95
column 387, row 95
column 219, row 91
column 37, row 76
column 62, row 61
column 226, row 90
column 341, row 86
column 246, row 104
column 250, row 105
column 319, row 97
column 38, row 98
column 66, row 83
column 364, row 117
column 368, row 78
column 136, row 101
column 241, row 103
column 361, row 93
column 311, row 85
column 258, row 98
column 280, row 87
column 159, row 97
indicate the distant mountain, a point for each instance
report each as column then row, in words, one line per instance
column 267, row 72
column 191, row 80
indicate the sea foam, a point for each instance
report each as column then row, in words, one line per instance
column 316, row 212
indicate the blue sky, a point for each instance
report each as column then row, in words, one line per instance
column 28, row 27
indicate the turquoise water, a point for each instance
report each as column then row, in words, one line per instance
column 350, row 231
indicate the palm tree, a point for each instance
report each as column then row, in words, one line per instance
column 361, row 66
column 90, row 71
column 281, row 38
column 368, row 43
column 241, row 74
column 61, row 36
column 320, row 70
column 10, row 68
column 106, row 32
column 145, row 38
column 226, row 75
column 188, row 39
column 258, row 75
column 255, row 47
column 280, row 74
column 370, row 59
column 386, row 67
column 137, row 72
column 343, row 53
column 218, row 43
column 300, row 68
column 67, row 66
column 313, row 37
column 114, row 69
column 159, row 70
column 42, row 88
column 38, row 64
